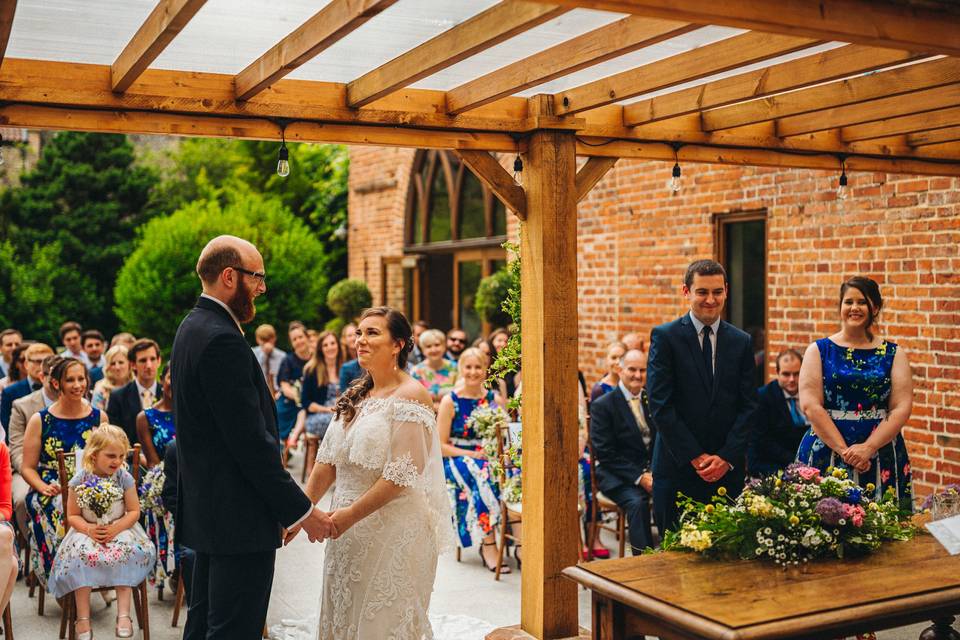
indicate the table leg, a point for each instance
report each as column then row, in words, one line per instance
column 607, row 618
column 941, row 629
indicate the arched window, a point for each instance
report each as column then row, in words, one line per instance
column 455, row 227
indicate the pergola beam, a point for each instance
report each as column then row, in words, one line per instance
column 591, row 173
column 491, row 173
column 7, row 10
column 796, row 74
column 484, row 30
column 937, row 136
column 880, row 109
column 326, row 27
column 163, row 24
column 691, row 65
column 609, row 41
column 877, row 23
column 940, row 119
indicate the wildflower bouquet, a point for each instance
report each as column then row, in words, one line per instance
column 151, row 489
column 98, row 495
column 487, row 422
column 792, row 518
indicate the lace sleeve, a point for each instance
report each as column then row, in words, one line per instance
column 332, row 444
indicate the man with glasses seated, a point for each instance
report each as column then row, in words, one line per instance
column 780, row 424
column 457, row 341
column 33, row 364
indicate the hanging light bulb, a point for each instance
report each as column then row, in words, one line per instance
column 842, row 191
column 517, row 168
column 283, row 161
column 674, row 184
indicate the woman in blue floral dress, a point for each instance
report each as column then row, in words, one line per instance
column 474, row 494
column 66, row 424
column 857, row 392
column 155, row 430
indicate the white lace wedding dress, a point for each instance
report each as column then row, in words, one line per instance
column 378, row 576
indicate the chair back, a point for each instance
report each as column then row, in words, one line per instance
column 64, row 479
column 504, row 442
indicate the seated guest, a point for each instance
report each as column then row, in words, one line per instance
column 123, row 338
column 457, row 341
column 321, row 384
column 289, row 376
column 474, row 493
column 185, row 555
column 10, row 339
column 33, row 365
column 780, row 424
column 622, row 437
column 9, row 563
column 269, row 356
column 610, row 380
column 436, row 373
column 416, row 356
column 127, row 402
column 93, row 342
column 498, row 340
column 17, row 369
column 70, row 337
column 117, row 374
column 66, row 424
column 348, row 341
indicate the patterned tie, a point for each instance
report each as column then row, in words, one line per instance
column 638, row 416
column 146, row 399
column 795, row 413
column 708, row 353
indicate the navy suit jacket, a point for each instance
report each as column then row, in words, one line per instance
column 776, row 439
column 619, row 453
column 693, row 418
column 124, row 406
column 15, row 391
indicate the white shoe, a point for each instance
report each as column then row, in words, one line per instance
column 86, row 635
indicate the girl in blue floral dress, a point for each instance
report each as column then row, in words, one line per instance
column 856, row 390
column 474, row 494
column 66, row 424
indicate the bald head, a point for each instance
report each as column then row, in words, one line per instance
column 223, row 252
column 633, row 370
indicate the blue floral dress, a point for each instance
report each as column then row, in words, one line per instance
column 474, row 494
column 45, row 514
column 159, row 522
column 856, row 394
column 125, row 561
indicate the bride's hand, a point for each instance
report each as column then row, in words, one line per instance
column 342, row 519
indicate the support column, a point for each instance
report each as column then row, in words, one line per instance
column 549, row 372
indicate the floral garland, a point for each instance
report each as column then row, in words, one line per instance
column 792, row 518
column 151, row 489
column 98, row 495
column 486, row 422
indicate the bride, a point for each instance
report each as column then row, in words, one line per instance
column 390, row 505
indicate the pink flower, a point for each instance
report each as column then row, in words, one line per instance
column 857, row 516
column 808, row 473
column 906, row 469
column 885, row 475
column 848, row 510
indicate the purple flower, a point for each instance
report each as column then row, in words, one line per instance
column 830, row 511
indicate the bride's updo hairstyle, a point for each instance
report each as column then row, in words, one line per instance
column 871, row 291
column 400, row 330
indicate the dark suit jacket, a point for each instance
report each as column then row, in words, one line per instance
column 234, row 493
column 619, row 453
column 125, row 405
column 349, row 372
column 692, row 417
column 15, row 391
column 776, row 439
column 170, row 469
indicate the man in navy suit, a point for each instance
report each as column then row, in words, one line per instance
column 33, row 364
column 780, row 423
column 622, row 436
column 700, row 381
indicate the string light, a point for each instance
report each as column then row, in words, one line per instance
column 842, row 191
column 674, row 184
column 283, row 157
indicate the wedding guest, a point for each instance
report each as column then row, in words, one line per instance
column 474, row 493
column 700, row 382
column 10, row 339
column 185, row 555
column 350, row 372
column 498, row 340
column 17, row 369
column 321, row 384
column 436, row 373
column 107, row 551
column 116, row 375
column 348, row 341
column 269, row 356
column 66, row 424
column 92, row 342
column 416, row 356
column 127, row 402
column 123, row 338
column 610, row 380
column 622, row 437
column 289, row 377
column 780, row 424
column 633, row 341
column 70, row 333
column 856, row 390
column 33, row 364
column 9, row 563
column 482, row 344
column 457, row 341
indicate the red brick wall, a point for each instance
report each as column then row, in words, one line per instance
column 636, row 238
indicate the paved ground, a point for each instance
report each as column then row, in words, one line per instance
column 463, row 589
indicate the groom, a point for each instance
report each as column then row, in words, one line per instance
column 235, row 498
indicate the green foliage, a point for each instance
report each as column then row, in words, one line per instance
column 158, row 283
column 348, row 298
column 508, row 358
column 335, row 325
column 76, row 214
column 491, row 295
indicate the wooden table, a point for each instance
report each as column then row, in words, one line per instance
column 682, row 595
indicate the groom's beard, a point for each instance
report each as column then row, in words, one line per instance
column 241, row 303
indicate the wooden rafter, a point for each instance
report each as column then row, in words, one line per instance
column 491, row 173
column 591, row 173
column 937, row 136
column 880, row 109
column 878, row 23
column 7, row 10
column 157, row 31
column 901, row 80
column 690, row 65
column 484, row 30
column 940, row 119
column 599, row 45
column 326, row 27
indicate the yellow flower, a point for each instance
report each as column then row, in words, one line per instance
column 709, row 508
column 778, row 482
column 722, row 491
column 871, row 487
column 794, row 520
column 873, row 506
column 695, row 539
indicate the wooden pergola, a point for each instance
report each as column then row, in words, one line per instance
column 870, row 85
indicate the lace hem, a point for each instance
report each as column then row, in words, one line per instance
column 401, row 471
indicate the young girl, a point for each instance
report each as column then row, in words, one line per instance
column 117, row 554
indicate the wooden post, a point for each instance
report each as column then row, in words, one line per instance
column 549, row 369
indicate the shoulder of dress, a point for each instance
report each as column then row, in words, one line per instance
column 412, row 410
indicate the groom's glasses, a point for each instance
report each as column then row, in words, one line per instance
column 259, row 275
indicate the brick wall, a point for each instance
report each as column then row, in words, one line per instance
column 636, row 238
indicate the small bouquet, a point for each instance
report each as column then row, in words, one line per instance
column 98, row 495
column 487, row 422
column 791, row 518
column 151, row 490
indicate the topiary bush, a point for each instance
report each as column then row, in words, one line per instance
column 348, row 298
column 491, row 294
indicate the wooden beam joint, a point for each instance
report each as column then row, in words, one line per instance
column 591, row 173
column 491, row 173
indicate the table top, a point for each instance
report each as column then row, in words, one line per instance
column 715, row 598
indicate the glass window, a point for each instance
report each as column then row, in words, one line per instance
column 499, row 217
column 469, row 275
column 439, row 207
column 472, row 223
column 745, row 257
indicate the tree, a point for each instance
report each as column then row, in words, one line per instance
column 347, row 299
column 158, row 284
column 77, row 212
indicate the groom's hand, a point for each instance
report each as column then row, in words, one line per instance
column 319, row 526
column 290, row 534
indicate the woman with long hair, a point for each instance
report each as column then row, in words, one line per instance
column 321, row 384
column 116, row 374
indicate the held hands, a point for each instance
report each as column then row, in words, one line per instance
column 710, row 467
column 51, row 490
column 102, row 533
column 318, row 526
column 859, row 456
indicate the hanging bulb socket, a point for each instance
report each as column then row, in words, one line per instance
column 674, row 184
column 283, row 161
column 517, row 167
column 842, row 191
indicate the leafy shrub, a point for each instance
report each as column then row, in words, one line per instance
column 348, row 298
column 491, row 294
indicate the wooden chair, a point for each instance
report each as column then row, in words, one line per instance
column 510, row 512
column 311, row 445
column 178, row 598
column 7, row 624
column 68, row 616
column 603, row 505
